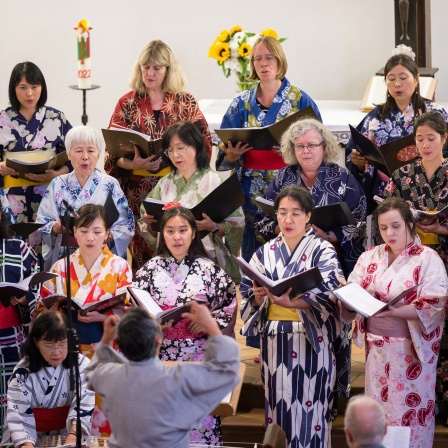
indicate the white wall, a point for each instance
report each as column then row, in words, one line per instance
column 333, row 46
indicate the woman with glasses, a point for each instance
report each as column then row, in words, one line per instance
column 297, row 336
column 190, row 181
column 271, row 100
column 39, row 397
column 156, row 101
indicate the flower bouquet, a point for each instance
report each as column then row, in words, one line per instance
column 232, row 49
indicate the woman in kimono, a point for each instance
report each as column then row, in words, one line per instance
column 95, row 275
column 30, row 131
column 423, row 184
column 190, row 181
column 86, row 184
column 156, row 101
column 17, row 262
column 390, row 121
column 296, row 335
column 402, row 343
column 39, row 397
column 271, row 100
column 182, row 272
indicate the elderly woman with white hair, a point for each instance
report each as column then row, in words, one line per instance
column 85, row 185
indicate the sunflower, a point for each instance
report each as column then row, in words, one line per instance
column 244, row 50
column 220, row 52
column 223, row 36
column 235, row 29
column 269, row 32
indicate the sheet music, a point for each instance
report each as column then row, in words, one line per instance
column 397, row 437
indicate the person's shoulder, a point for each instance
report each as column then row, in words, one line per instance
column 53, row 110
column 185, row 96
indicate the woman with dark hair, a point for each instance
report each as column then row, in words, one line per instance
column 423, row 184
column 179, row 273
column 32, row 409
column 389, row 121
column 17, row 262
column 190, row 181
column 29, row 131
column 297, row 336
column 402, row 342
column 156, row 101
column 95, row 275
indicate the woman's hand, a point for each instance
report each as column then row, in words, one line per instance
column 259, row 293
column 358, row 160
column 434, row 227
column 57, row 228
column 233, row 153
column 91, row 316
column 18, row 300
column 206, row 223
column 140, row 163
column 282, row 300
column 167, row 325
column 110, row 329
column 71, row 438
column 323, row 235
column 45, row 178
column 6, row 171
column 148, row 220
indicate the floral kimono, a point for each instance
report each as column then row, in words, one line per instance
column 297, row 354
column 134, row 111
column 109, row 276
column 398, row 124
column 95, row 191
column 173, row 188
column 173, row 284
column 48, row 388
column 401, row 366
column 45, row 133
column 246, row 112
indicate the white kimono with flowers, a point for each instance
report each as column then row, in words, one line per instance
column 401, row 371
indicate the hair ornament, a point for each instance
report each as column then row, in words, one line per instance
column 403, row 49
column 169, row 205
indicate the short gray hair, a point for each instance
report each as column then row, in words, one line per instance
column 365, row 420
column 84, row 134
column 330, row 144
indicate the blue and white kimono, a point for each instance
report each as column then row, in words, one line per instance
column 396, row 125
column 95, row 191
column 246, row 112
column 298, row 363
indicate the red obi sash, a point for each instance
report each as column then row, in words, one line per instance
column 263, row 159
column 179, row 331
column 52, row 419
column 9, row 317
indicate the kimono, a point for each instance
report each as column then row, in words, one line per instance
column 45, row 131
column 245, row 112
column 17, row 262
column 398, row 124
column 173, row 188
column 411, row 183
column 401, row 369
column 297, row 356
column 95, row 191
column 109, row 276
column 48, row 388
column 134, row 111
column 173, row 284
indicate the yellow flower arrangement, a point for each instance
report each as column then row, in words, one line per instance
column 232, row 49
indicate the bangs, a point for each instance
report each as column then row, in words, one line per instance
column 57, row 333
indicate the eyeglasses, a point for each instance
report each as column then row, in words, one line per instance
column 293, row 215
column 310, row 147
column 170, row 151
column 52, row 347
column 268, row 58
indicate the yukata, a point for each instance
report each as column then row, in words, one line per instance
column 134, row 111
column 411, row 183
column 44, row 133
column 174, row 188
column 173, row 284
column 396, row 125
column 109, row 276
column 17, row 262
column 257, row 168
column 298, row 364
column 95, row 191
column 401, row 354
column 48, row 388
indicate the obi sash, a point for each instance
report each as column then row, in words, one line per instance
column 9, row 317
column 277, row 312
column 262, row 159
column 146, row 173
column 426, row 238
column 12, row 182
column 51, row 419
column 388, row 326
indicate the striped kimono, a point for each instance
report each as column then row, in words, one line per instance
column 298, row 361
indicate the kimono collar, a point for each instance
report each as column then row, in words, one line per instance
column 415, row 247
column 280, row 240
column 187, row 261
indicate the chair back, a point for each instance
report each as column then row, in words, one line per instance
column 274, row 437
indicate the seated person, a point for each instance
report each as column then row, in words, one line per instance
column 39, row 397
column 364, row 423
column 161, row 403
